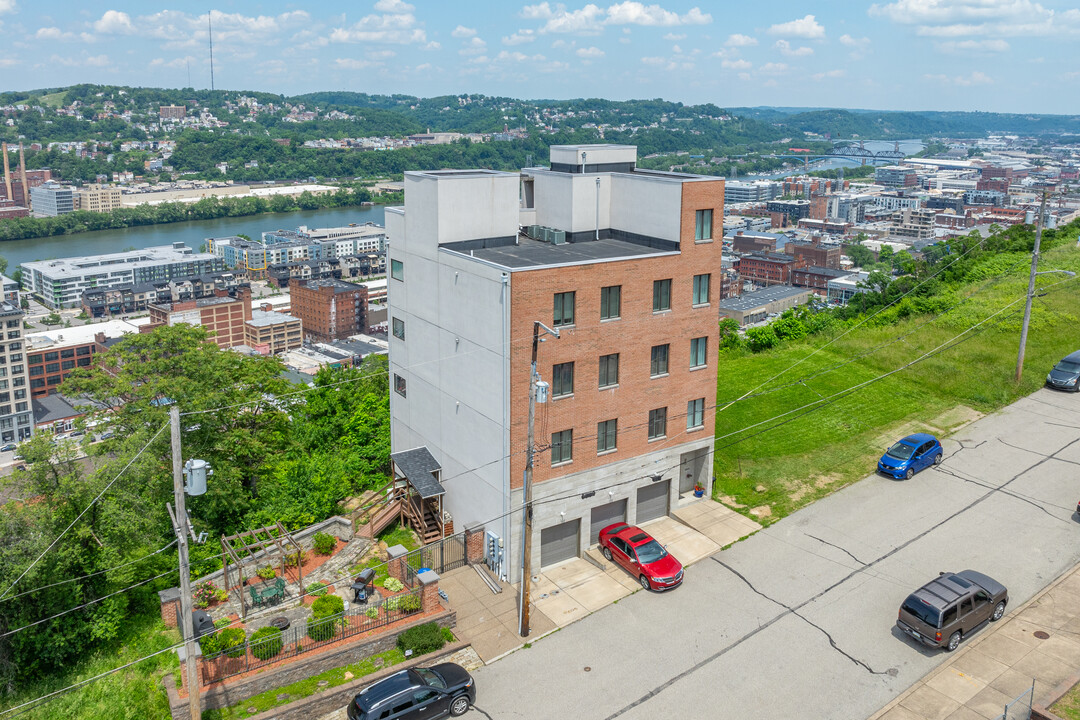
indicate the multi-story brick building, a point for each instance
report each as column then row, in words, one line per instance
column 815, row 253
column 752, row 242
column 271, row 333
column 768, row 268
column 624, row 271
column 816, row 278
column 51, row 356
column 223, row 315
column 330, row 309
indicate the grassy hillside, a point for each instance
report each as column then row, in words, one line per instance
column 797, row 458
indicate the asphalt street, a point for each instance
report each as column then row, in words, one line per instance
column 798, row 620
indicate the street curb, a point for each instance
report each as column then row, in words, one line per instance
column 953, row 657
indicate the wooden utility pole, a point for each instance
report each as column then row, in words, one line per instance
column 1031, row 290
column 180, row 525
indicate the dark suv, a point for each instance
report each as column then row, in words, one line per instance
column 415, row 694
column 950, row 606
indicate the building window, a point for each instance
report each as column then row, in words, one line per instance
column 605, row 435
column 50, row 356
column 67, row 353
column 37, row 383
column 564, row 309
column 701, row 289
column 397, row 270
column 67, row 365
column 84, row 350
column 661, row 295
column 399, row 385
column 609, row 370
column 562, row 379
column 695, row 414
column 610, row 302
column 562, row 447
column 703, row 225
column 657, row 423
column 399, row 328
column 659, row 365
column 699, row 351
column 52, row 367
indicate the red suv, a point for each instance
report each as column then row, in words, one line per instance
column 641, row 555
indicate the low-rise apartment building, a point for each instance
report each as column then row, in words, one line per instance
column 623, row 263
column 108, row 302
column 61, row 283
column 224, row 315
column 16, row 415
column 330, row 309
column 768, row 268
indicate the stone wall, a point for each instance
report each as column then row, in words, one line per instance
column 231, row 693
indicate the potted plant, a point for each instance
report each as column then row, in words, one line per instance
column 699, row 491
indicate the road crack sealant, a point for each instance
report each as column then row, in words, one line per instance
column 841, row 549
column 793, row 610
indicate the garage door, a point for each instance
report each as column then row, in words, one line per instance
column 606, row 515
column 559, row 543
column 652, row 501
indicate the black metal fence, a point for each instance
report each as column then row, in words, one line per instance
column 312, row 635
column 441, row 556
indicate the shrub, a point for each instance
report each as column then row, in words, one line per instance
column 228, row 640
column 761, row 338
column 327, row 605
column 372, row 612
column 221, row 594
column 422, row 639
column 393, row 584
column 323, row 625
column 294, row 559
column 266, row 573
column 448, row 634
column 222, row 622
column 411, row 603
column 317, row 589
column 207, row 591
column 322, row 628
column 324, row 544
column 266, row 642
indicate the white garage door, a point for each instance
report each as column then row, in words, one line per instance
column 605, row 515
column 559, row 543
column 652, row 501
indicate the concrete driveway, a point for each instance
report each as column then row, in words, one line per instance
column 798, row 620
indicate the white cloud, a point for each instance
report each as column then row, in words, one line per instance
column 654, row 60
column 739, row 40
column 8, row 62
column 828, row 74
column 774, row 68
column 975, row 78
column 115, row 22
column 53, row 33
column 97, row 61
column 422, row 66
column 519, row 38
column 676, row 49
column 979, row 18
column 590, row 52
column 736, row 64
column 433, row 45
column 590, row 19
column 514, row 55
column 463, row 32
column 7, row 6
column 636, row 13
column 381, row 54
column 393, row 6
column 785, row 49
column 806, row 27
column 973, row 46
column 353, row 64
column 175, row 63
column 675, row 37
column 846, row 39
column 474, row 46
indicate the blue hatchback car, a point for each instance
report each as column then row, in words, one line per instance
column 910, row 455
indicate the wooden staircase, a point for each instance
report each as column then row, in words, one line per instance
column 390, row 504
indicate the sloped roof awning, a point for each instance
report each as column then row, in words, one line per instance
column 419, row 468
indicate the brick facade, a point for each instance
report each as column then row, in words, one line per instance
column 632, row 336
column 223, row 315
column 768, row 268
column 330, row 309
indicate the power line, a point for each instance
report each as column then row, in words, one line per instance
column 85, row 510
column 86, row 604
column 93, row 574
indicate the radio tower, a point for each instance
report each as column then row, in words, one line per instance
column 210, row 25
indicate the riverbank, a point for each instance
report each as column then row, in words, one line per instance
column 208, row 208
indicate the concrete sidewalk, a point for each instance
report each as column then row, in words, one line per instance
column 1000, row 662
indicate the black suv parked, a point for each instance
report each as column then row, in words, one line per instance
column 435, row 692
column 950, row 606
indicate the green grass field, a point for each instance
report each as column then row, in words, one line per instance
column 785, row 463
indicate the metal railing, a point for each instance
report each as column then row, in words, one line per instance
column 309, row 636
column 441, row 556
column 1019, row 708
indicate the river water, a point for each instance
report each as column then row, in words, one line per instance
column 192, row 233
column 908, row 147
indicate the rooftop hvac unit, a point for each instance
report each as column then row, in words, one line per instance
column 545, row 234
column 533, row 231
column 557, row 237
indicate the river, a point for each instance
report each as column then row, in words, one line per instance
column 908, row 147
column 192, row 233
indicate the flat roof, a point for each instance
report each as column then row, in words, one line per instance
column 751, row 300
column 83, row 334
column 339, row 285
column 111, row 262
column 199, row 302
column 262, row 318
column 536, row 253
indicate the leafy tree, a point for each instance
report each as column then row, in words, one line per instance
column 761, row 338
column 789, row 327
column 860, row 255
column 729, row 334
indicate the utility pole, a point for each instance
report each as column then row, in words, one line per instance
column 526, row 509
column 180, row 525
column 1031, row 289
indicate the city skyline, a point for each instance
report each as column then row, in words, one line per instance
column 993, row 55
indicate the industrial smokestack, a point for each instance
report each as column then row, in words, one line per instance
column 7, row 174
column 22, row 177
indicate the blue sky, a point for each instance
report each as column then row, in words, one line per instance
column 999, row 55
